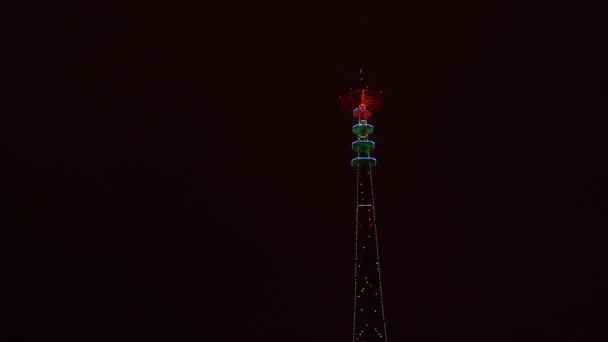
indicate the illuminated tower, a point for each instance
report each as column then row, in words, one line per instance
column 368, row 318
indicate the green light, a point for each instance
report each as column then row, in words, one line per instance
column 363, row 129
column 363, row 162
column 363, row 146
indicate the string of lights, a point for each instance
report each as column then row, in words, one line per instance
column 356, row 257
column 371, row 182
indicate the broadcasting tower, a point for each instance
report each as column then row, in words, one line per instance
column 369, row 324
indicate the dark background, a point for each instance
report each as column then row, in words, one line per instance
column 180, row 171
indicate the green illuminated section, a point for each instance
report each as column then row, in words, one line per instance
column 363, row 129
column 363, row 162
column 363, row 146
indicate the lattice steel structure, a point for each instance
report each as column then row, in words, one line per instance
column 369, row 323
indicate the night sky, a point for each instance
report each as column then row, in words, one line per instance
column 180, row 171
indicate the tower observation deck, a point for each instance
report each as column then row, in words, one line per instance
column 369, row 324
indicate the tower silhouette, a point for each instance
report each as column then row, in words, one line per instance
column 369, row 323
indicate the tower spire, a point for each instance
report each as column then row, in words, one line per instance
column 361, row 77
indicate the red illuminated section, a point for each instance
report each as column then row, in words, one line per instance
column 361, row 113
column 367, row 99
